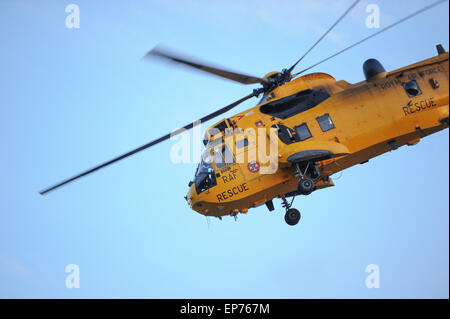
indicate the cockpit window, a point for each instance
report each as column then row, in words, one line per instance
column 214, row 143
column 242, row 143
column 221, row 126
column 205, row 164
column 215, row 130
column 217, row 156
column 222, row 156
column 204, row 176
column 294, row 104
column 263, row 99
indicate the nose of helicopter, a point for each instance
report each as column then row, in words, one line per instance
column 192, row 199
column 190, row 196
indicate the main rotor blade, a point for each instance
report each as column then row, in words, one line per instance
column 324, row 35
column 373, row 35
column 163, row 53
column 145, row 146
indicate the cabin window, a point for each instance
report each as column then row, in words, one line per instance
column 285, row 134
column 412, row 88
column 325, row 122
column 303, row 132
column 242, row 143
column 294, row 104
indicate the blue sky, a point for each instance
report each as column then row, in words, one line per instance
column 72, row 98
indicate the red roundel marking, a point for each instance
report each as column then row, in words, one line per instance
column 253, row 166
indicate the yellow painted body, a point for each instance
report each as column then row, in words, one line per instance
column 366, row 116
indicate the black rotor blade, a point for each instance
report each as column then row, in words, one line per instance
column 163, row 53
column 145, row 146
column 324, row 35
column 373, row 35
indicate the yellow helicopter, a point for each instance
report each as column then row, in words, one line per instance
column 313, row 127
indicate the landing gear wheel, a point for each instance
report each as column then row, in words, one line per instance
column 292, row 217
column 305, row 186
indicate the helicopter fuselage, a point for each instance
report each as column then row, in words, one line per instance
column 315, row 114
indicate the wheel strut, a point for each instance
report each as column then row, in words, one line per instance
column 286, row 204
column 306, row 183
